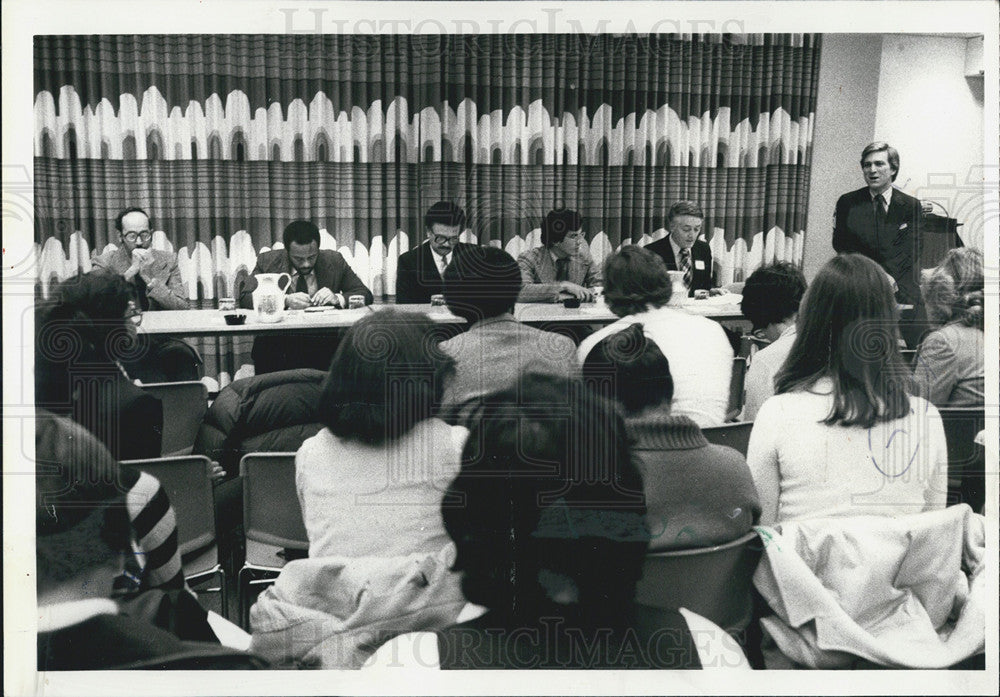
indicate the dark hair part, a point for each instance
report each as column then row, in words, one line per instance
column 387, row 375
column 484, row 282
column 891, row 155
column 547, row 483
column 954, row 291
column 847, row 331
column 300, row 232
column 557, row 224
column 630, row 368
column 684, row 208
column 635, row 280
column 772, row 294
column 444, row 213
column 119, row 226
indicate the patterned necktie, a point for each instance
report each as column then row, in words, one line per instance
column 685, row 265
column 562, row 269
column 301, row 286
column 442, row 264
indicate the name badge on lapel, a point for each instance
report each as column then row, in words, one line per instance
column 699, row 264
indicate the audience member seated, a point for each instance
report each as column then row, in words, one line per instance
column 548, row 521
column 771, row 298
column 275, row 412
column 482, row 287
column 81, row 336
column 92, row 540
column 562, row 267
column 697, row 494
column 949, row 369
column 683, row 250
column 420, row 271
column 370, row 482
column 842, row 436
column 637, row 289
column 317, row 277
column 157, row 285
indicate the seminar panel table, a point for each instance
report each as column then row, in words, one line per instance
column 192, row 323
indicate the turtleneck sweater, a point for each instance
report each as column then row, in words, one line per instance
column 697, row 494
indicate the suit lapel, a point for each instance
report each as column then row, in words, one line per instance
column 429, row 266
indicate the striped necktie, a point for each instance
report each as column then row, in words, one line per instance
column 685, row 265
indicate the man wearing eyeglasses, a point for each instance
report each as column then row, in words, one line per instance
column 153, row 272
column 419, row 271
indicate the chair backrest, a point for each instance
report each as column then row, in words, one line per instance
column 271, row 511
column 966, row 459
column 715, row 582
column 187, row 482
column 735, row 435
column 736, row 387
column 184, row 407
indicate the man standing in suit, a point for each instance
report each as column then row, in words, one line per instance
column 882, row 222
column 681, row 250
column 152, row 272
column 318, row 276
column 560, row 268
column 419, row 271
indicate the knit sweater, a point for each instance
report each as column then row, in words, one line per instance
column 697, row 494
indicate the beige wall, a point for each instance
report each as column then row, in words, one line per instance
column 845, row 121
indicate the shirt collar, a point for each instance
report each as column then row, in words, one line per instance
column 886, row 196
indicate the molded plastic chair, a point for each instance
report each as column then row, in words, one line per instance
column 184, row 407
column 272, row 520
column 735, row 435
column 715, row 582
column 737, row 388
column 187, row 481
column 966, row 459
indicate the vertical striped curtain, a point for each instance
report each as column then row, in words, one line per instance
column 226, row 139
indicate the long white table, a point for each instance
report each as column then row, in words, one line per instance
column 190, row 323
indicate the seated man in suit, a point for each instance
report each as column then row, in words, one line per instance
column 682, row 250
column 318, row 277
column 152, row 272
column 156, row 284
column 560, row 268
column 482, row 286
column 419, row 271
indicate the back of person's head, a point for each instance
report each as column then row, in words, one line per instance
column 80, row 517
column 629, row 367
column 847, row 330
column 557, row 224
column 444, row 213
column 635, row 280
column 483, row 283
column 953, row 292
column 772, row 294
column 83, row 321
column 302, row 232
column 387, row 375
column 547, row 487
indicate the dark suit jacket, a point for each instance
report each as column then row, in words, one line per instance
column 332, row 271
column 701, row 278
column 896, row 246
column 417, row 277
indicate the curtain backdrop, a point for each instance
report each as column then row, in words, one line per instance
column 226, row 139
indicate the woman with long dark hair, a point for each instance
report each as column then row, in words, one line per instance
column 842, row 435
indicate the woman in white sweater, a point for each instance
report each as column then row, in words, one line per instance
column 370, row 483
column 842, row 436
